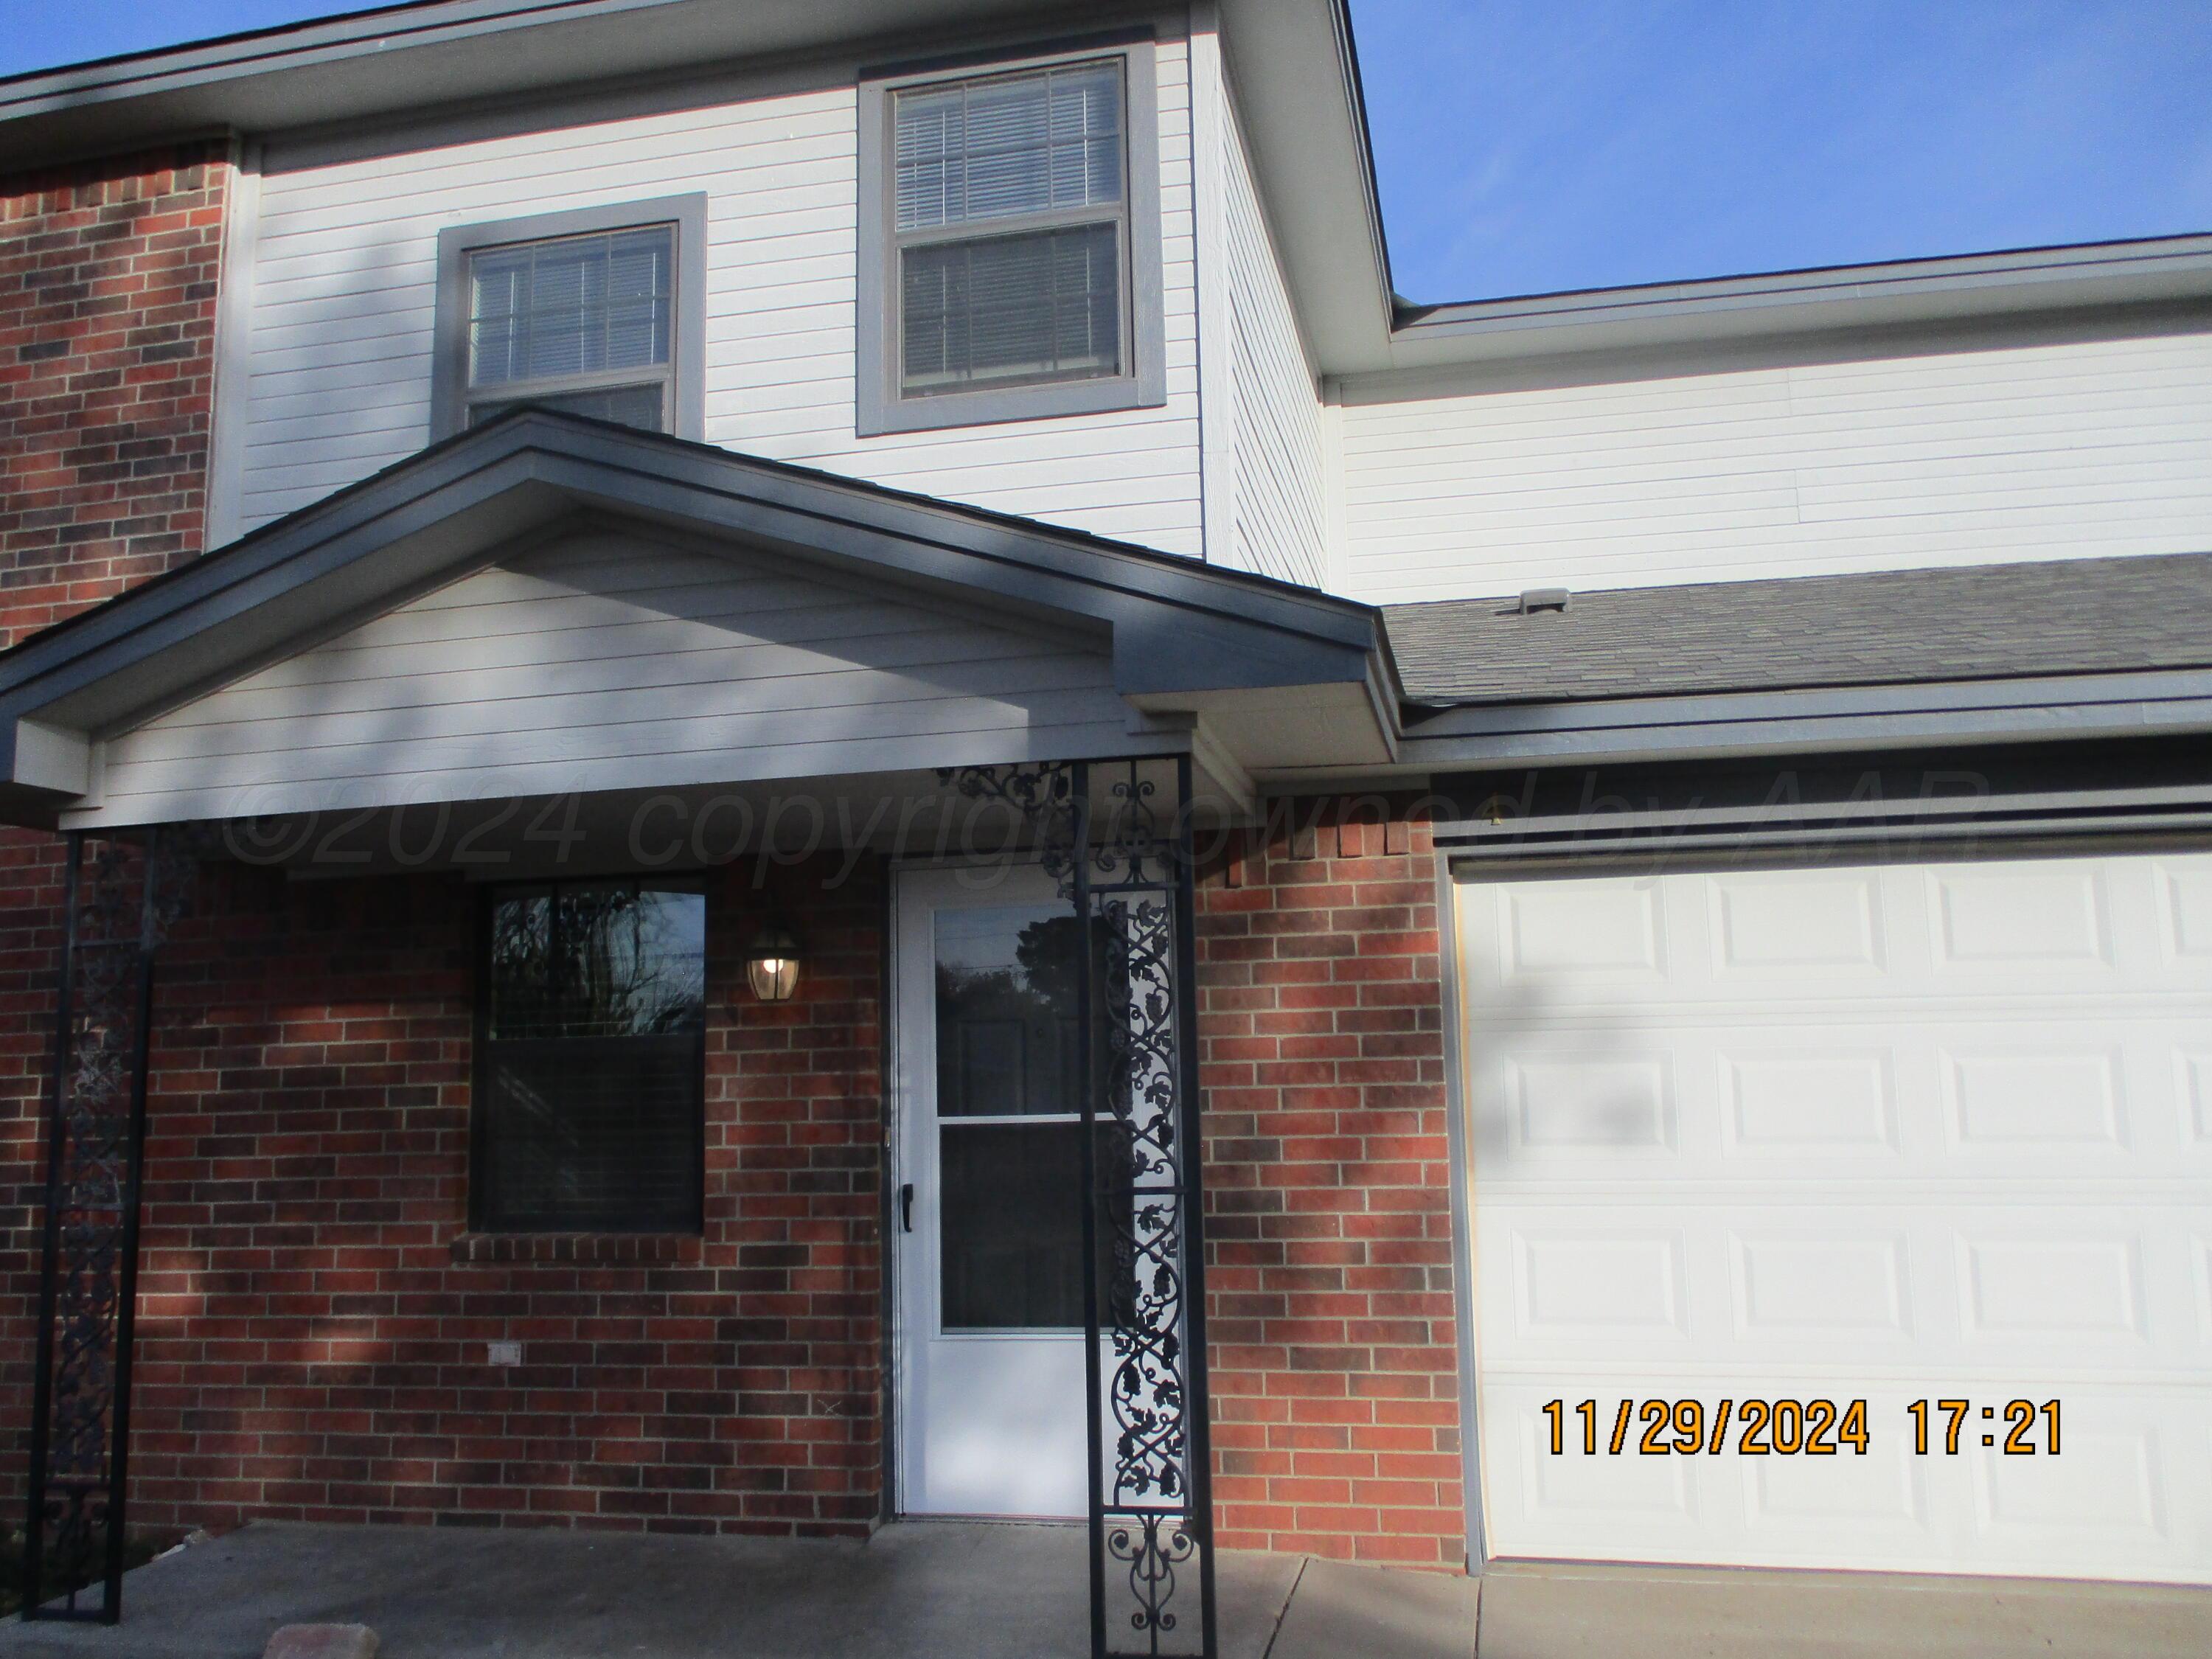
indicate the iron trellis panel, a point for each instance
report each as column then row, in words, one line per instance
column 1122, row 857
column 115, row 915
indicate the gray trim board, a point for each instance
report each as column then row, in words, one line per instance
column 1861, row 806
column 2044, row 708
column 878, row 406
column 449, row 359
column 1948, row 837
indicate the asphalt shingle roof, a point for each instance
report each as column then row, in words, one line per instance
column 1985, row 622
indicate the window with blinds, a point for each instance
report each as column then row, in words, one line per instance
column 1010, row 229
column 591, row 1061
column 583, row 323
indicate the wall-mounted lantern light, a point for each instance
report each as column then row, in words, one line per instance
column 772, row 963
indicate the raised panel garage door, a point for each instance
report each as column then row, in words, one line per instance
column 1885, row 1131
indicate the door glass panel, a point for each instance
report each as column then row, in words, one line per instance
column 1009, row 1144
column 1013, row 1239
column 1006, row 1012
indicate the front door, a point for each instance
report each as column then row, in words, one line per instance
column 988, row 1220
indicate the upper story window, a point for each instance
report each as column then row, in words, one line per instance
column 1010, row 263
column 599, row 313
column 579, row 323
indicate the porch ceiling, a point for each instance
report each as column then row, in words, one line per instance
column 1187, row 656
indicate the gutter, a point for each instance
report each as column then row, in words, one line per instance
column 2043, row 708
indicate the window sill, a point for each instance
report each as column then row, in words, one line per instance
column 886, row 414
column 638, row 1249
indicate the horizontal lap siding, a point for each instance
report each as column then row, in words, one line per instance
column 2051, row 451
column 345, row 270
column 564, row 669
column 1278, row 444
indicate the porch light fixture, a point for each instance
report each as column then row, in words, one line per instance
column 772, row 963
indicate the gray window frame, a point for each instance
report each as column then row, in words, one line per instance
column 449, row 361
column 880, row 407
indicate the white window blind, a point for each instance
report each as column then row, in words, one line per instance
column 1011, row 224
column 581, row 323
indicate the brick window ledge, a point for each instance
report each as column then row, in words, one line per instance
column 643, row 1249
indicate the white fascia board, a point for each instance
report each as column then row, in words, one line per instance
column 1297, row 84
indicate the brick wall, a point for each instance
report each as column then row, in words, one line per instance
column 1335, row 1390
column 107, row 303
column 107, row 300
column 315, row 1317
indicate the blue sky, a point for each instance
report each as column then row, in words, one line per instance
column 1526, row 146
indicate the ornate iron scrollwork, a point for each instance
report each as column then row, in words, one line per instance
column 1125, row 865
column 116, row 912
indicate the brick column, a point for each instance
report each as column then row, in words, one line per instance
column 1334, row 1345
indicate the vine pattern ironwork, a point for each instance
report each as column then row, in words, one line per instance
column 119, row 905
column 1125, row 863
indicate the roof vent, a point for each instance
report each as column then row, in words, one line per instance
column 1533, row 599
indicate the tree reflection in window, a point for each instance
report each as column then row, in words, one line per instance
column 600, row 961
column 592, row 1072
column 1009, row 1144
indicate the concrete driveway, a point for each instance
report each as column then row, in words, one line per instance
column 1568, row 1611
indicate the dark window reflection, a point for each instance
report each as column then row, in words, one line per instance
column 592, row 1066
column 1011, row 1243
column 1006, row 1012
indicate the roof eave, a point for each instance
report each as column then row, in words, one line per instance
column 1177, row 626
column 1899, row 294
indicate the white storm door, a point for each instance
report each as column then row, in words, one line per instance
column 987, row 1217
column 1880, row 1132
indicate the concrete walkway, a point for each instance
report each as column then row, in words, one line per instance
column 922, row 1590
column 938, row 1590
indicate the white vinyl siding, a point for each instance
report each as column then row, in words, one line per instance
column 606, row 663
column 338, row 361
column 1454, row 485
column 1276, row 443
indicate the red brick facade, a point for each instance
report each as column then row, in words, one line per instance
column 107, row 307
column 315, row 1317
column 1334, row 1379
column 108, row 273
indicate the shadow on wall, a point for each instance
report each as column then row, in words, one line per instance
column 314, row 1341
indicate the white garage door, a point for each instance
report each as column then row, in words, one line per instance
column 1931, row 1132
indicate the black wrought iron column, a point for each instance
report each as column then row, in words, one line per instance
column 117, row 907
column 1117, row 835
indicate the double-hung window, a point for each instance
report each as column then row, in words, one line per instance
column 596, row 312
column 1010, row 262
column 591, row 1059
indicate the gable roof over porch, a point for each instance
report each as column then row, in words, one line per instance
column 162, row 676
